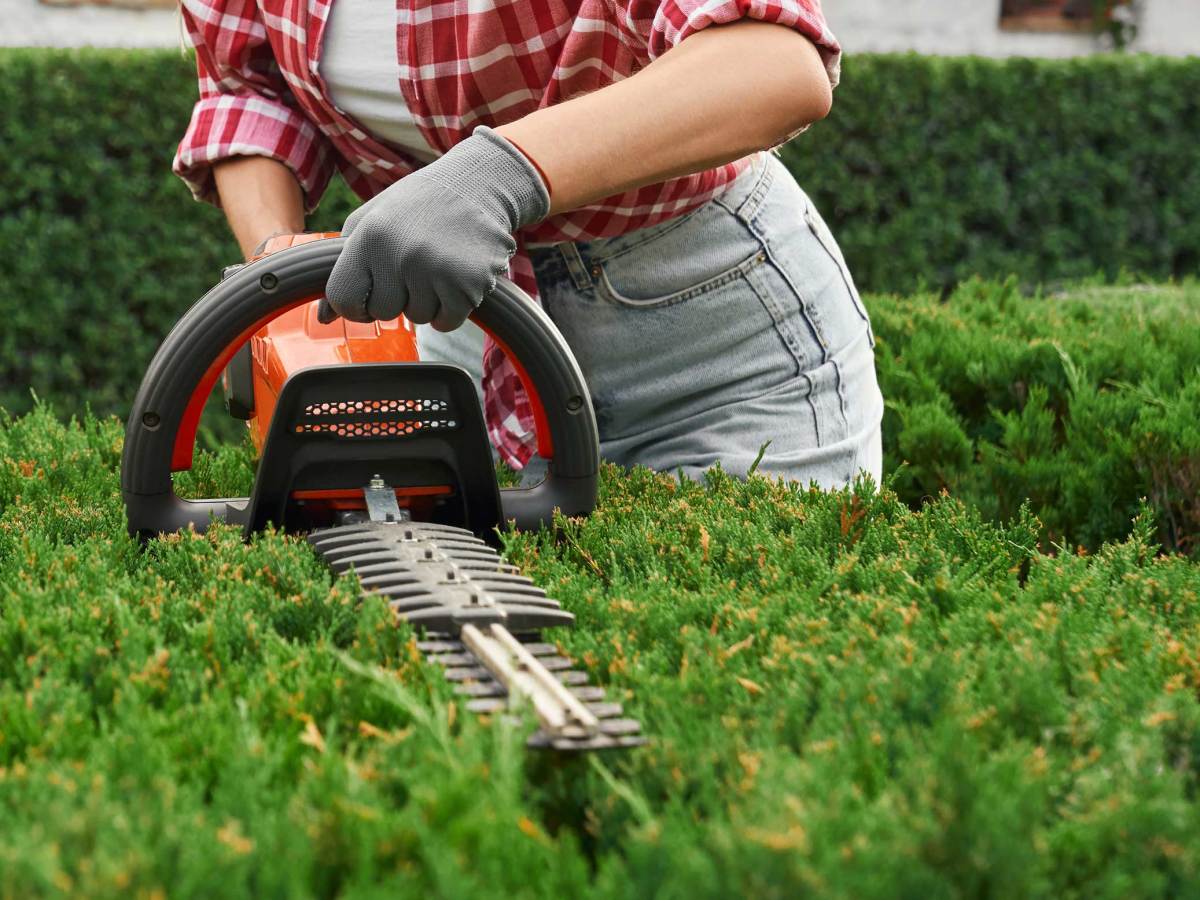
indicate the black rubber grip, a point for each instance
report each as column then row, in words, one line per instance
column 272, row 285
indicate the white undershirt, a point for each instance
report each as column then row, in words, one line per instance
column 361, row 69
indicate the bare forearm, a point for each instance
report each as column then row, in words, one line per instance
column 722, row 93
column 260, row 197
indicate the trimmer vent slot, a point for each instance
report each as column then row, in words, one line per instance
column 344, row 407
column 372, row 429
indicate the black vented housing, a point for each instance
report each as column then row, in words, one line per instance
column 412, row 424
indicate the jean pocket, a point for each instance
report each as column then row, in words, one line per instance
column 705, row 250
column 654, row 288
column 824, row 237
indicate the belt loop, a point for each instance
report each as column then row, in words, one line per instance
column 575, row 265
column 747, row 208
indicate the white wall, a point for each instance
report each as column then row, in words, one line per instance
column 954, row 27
column 927, row 26
column 28, row 23
column 1170, row 27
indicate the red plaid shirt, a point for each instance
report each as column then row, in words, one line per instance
column 462, row 64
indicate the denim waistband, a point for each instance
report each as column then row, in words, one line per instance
column 580, row 256
column 733, row 196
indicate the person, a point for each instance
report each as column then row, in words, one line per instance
column 610, row 157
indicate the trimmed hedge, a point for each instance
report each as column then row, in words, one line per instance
column 1079, row 403
column 930, row 170
column 933, row 170
column 846, row 699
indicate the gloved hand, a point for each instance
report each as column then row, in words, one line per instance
column 432, row 245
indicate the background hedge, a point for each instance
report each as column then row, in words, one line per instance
column 1079, row 403
column 929, row 170
column 933, row 170
column 104, row 247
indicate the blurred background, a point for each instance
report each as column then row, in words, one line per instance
column 1050, row 28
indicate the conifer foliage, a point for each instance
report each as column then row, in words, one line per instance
column 847, row 698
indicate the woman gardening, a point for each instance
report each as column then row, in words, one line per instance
column 605, row 154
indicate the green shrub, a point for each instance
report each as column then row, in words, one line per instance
column 103, row 247
column 930, row 171
column 1080, row 403
column 846, row 699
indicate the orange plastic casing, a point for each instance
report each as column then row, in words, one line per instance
column 297, row 340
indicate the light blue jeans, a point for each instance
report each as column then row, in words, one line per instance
column 706, row 336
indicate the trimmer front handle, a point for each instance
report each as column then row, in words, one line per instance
column 160, row 434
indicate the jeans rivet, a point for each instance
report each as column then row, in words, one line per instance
column 595, row 271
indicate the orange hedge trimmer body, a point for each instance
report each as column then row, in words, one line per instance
column 297, row 340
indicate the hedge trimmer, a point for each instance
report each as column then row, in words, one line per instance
column 384, row 462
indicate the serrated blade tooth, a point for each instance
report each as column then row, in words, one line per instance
column 440, row 646
column 400, row 596
column 449, row 531
column 580, row 745
column 329, row 543
column 605, row 710
column 500, row 704
column 510, row 587
column 555, row 663
column 481, row 689
column 343, row 564
column 352, row 547
column 541, row 649
column 467, row 673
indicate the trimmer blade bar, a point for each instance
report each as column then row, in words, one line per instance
column 482, row 620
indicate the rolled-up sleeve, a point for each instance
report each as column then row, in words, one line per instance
column 662, row 24
column 245, row 107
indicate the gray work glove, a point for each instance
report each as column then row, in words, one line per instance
column 432, row 245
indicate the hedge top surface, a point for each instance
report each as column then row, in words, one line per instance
column 1080, row 403
column 848, row 698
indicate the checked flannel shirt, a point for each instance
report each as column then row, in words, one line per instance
column 463, row 63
